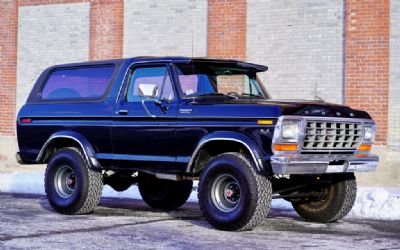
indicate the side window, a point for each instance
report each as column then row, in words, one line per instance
column 150, row 77
column 77, row 83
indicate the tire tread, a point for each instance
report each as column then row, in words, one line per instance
column 264, row 195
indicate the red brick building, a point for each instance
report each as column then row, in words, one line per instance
column 345, row 51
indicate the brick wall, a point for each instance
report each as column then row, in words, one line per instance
column 106, row 29
column 8, row 63
column 367, row 59
column 301, row 42
column 47, row 35
column 394, row 84
column 227, row 28
column 165, row 28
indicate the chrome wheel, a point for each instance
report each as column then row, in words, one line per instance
column 225, row 192
column 65, row 181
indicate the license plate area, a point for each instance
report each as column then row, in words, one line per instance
column 337, row 166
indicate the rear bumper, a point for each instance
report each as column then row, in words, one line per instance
column 321, row 164
column 20, row 159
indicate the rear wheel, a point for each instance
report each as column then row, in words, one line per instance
column 337, row 202
column 232, row 196
column 163, row 194
column 71, row 186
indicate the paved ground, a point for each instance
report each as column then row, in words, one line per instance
column 27, row 221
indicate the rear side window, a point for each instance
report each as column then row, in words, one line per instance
column 78, row 83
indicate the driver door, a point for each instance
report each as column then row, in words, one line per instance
column 143, row 131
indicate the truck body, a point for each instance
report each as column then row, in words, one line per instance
column 164, row 121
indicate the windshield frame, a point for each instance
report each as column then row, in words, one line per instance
column 250, row 73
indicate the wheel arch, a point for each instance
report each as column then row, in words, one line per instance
column 232, row 142
column 67, row 138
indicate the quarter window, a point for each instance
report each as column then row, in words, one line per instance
column 150, row 76
column 78, row 83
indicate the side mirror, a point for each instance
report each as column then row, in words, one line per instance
column 148, row 90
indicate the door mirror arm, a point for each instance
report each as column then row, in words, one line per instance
column 162, row 104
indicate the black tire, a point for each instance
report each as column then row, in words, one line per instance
column 163, row 194
column 232, row 196
column 71, row 186
column 339, row 200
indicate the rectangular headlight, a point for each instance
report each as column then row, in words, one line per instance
column 290, row 131
column 369, row 133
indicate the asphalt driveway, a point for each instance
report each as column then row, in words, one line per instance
column 27, row 221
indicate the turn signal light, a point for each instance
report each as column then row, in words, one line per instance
column 365, row 147
column 265, row 122
column 285, row 147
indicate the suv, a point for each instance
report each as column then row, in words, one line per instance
column 161, row 123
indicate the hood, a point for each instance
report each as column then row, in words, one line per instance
column 292, row 107
column 317, row 108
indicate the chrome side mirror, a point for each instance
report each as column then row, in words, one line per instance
column 148, row 90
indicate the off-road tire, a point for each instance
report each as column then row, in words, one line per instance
column 336, row 205
column 255, row 193
column 89, row 183
column 163, row 194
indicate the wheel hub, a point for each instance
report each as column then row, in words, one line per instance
column 70, row 181
column 65, row 181
column 225, row 192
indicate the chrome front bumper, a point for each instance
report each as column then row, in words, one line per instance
column 321, row 164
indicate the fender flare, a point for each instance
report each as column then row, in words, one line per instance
column 245, row 140
column 85, row 145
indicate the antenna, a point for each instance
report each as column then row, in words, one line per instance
column 192, row 42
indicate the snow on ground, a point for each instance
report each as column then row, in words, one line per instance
column 372, row 202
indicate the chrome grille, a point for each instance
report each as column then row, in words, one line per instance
column 332, row 136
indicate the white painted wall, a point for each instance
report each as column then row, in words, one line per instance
column 301, row 42
column 48, row 35
column 394, row 82
column 165, row 28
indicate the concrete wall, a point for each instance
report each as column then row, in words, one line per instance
column 165, row 28
column 301, row 42
column 48, row 35
column 394, row 82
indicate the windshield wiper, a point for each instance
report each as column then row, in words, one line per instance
column 215, row 95
column 253, row 95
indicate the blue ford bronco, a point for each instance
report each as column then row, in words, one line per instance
column 162, row 122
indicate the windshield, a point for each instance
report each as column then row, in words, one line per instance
column 205, row 80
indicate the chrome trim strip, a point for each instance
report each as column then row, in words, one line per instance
column 128, row 157
column 258, row 162
column 179, row 117
column 38, row 158
column 160, row 125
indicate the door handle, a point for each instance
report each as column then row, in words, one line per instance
column 122, row 112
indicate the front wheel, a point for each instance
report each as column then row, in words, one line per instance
column 232, row 196
column 337, row 202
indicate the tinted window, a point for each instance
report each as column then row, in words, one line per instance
column 157, row 76
column 218, row 80
column 90, row 82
